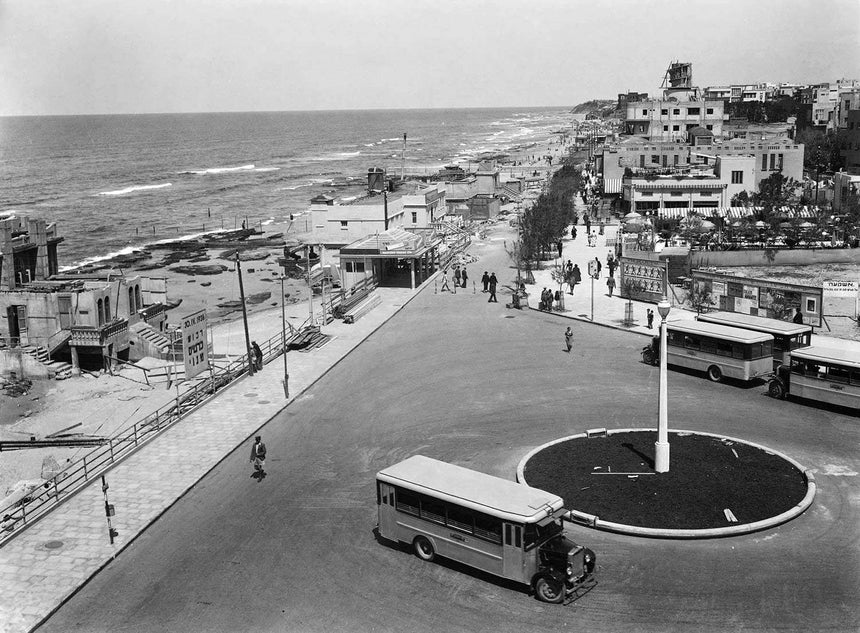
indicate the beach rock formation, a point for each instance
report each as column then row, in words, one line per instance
column 199, row 269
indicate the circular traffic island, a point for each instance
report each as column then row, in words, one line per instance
column 715, row 486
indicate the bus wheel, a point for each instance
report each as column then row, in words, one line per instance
column 549, row 590
column 423, row 548
column 715, row 373
column 648, row 357
column 776, row 390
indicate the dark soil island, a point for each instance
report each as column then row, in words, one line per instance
column 612, row 477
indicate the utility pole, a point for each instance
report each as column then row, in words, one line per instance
column 109, row 511
column 284, row 339
column 310, row 290
column 245, row 318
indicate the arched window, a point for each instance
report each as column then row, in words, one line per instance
column 138, row 302
column 101, row 311
column 131, row 308
column 107, row 310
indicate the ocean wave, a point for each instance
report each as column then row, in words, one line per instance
column 218, row 170
column 335, row 156
column 128, row 250
column 122, row 192
column 264, row 169
column 307, row 184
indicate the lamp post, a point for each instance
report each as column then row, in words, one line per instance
column 284, row 339
column 661, row 446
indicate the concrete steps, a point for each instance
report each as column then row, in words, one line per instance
column 57, row 369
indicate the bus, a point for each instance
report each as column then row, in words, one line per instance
column 786, row 335
column 501, row 527
column 718, row 350
column 821, row 374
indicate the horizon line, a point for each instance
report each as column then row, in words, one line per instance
column 378, row 109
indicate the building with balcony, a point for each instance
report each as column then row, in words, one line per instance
column 670, row 120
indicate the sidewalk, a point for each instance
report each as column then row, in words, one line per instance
column 50, row 560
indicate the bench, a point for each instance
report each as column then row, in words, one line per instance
column 358, row 311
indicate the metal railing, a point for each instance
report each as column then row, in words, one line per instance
column 37, row 503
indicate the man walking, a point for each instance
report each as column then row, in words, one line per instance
column 493, row 283
column 599, row 267
column 456, row 275
column 568, row 339
column 485, row 280
column 464, row 277
column 650, row 315
column 610, row 284
column 258, row 458
column 258, row 356
column 445, row 281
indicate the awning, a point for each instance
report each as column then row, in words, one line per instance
column 612, row 185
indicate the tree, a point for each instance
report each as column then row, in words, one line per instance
column 774, row 192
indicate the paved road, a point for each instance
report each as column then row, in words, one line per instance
column 458, row 379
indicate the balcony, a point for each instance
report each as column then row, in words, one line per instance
column 92, row 336
column 150, row 312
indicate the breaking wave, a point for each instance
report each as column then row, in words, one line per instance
column 122, row 192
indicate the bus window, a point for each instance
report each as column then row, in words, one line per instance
column 488, row 528
column 798, row 367
column 691, row 342
column 837, row 374
column 675, row 338
column 709, row 345
column 855, row 376
column 460, row 518
column 739, row 351
column 407, row 501
column 433, row 510
column 535, row 534
column 724, row 348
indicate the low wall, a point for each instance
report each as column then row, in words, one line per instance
column 775, row 257
column 24, row 365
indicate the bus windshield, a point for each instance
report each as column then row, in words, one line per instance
column 538, row 535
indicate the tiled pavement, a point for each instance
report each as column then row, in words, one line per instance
column 49, row 560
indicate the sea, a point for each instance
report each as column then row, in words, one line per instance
column 115, row 183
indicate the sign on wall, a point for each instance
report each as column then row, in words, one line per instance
column 195, row 348
column 840, row 288
column 761, row 297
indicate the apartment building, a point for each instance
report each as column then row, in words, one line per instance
column 670, row 120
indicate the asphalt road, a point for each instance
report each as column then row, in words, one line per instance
column 458, row 379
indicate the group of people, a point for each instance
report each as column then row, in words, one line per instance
column 489, row 282
column 548, row 298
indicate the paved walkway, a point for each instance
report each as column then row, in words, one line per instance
column 47, row 562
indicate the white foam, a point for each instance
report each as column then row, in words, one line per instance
column 220, row 170
column 122, row 192
column 264, row 169
column 307, row 184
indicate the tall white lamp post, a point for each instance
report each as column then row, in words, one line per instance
column 661, row 446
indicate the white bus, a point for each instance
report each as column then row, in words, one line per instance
column 786, row 335
column 821, row 374
column 499, row 526
column 718, row 350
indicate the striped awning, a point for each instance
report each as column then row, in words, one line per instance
column 612, row 185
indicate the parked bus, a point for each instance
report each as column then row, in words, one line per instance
column 821, row 374
column 499, row 526
column 786, row 335
column 718, row 350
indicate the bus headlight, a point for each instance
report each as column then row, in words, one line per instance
column 570, row 570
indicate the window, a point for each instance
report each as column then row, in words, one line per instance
column 764, row 162
column 644, row 112
column 709, row 111
column 779, row 162
column 343, row 224
column 414, row 217
column 737, row 177
column 676, row 111
column 488, row 528
column 773, row 162
column 676, row 128
column 407, row 501
column 647, row 193
column 694, row 111
column 709, row 127
column 837, row 374
column 675, row 193
column 460, row 518
column 642, row 160
column 665, row 128
column 664, row 112
column 655, row 159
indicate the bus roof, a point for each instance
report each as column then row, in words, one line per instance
column 733, row 334
column 757, row 323
column 500, row 497
column 837, row 356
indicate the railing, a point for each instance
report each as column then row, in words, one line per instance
column 90, row 335
column 150, row 312
column 36, row 504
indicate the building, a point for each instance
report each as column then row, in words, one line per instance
column 395, row 257
column 851, row 148
column 826, row 102
column 846, row 188
column 76, row 314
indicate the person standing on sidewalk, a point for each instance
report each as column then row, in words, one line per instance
column 258, row 458
column 258, row 355
column 599, row 267
column 464, row 277
column 445, row 281
column 493, row 283
column 568, row 339
column 650, row 315
column 456, row 275
column 485, row 280
column 610, row 284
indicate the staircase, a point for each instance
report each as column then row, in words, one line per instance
column 56, row 369
column 153, row 337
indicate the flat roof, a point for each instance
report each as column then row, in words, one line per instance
column 472, row 489
column 841, row 355
column 750, row 322
column 735, row 334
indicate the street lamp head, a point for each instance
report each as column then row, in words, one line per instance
column 663, row 308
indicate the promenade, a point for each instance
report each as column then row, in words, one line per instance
column 50, row 560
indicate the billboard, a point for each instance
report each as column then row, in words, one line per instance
column 761, row 297
column 195, row 348
column 643, row 279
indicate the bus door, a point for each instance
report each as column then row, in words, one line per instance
column 387, row 514
column 512, row 551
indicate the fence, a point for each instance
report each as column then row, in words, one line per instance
column 62, row 486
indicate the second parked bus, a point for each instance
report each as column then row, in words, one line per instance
column 821, row 374
column 718, row 350
column 786, row 335
column 499, row 526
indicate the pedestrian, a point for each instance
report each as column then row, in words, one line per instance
column 258, row 355
column 587, row 224
column 650, row 315
column 559, row 246
column 610, row 284
column 573, row 233
column 611, row 265
column 464, row 277
column 493, row 283
column 602, row 226
column 569, row 267
column 485, row 280
column 599, row 267
column 557, row 297
column 445, row 281
column 568, row 339
column 577, row 275
column 456, row 275
column 798, row 316
column 258, row 458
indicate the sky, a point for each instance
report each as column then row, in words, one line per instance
column 136, row 56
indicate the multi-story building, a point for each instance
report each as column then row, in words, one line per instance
column 848, row 100
column 826, row 102
column 851, row 148
column 670, row 120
